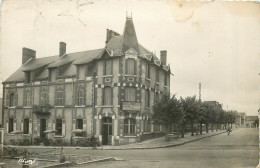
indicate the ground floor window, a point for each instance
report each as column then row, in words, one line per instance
column 79, row 125
column 59, row 126
column 26, row 126
column 11, row 125
column 129, row 126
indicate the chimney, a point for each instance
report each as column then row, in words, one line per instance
column 28, row 54
column 62, row 49
column 163, row 57
column 110, row 34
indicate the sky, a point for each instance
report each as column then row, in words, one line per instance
column 212, row 43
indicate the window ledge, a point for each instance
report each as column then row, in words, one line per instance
column 107, row 106
column 157, row 83
column 130, row 75
column 27, row 107
column 58, row 106
column 58, row 136
column 12, row 107
column 26, row 135
column 83, row 106
column 129, row 136
column 147, row 133
column 107, row 76
column 148, row 79
column 77, row 137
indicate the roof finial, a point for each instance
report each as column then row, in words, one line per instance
column 128, row 16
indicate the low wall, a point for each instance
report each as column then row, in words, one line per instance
column 146, row 136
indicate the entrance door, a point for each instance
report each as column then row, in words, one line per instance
column 42, row 128
column 106, row 131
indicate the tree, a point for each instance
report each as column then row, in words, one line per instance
column 191, row 109
column 167, row 111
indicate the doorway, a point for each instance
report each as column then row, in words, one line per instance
column 42, row 128
column 106, row 131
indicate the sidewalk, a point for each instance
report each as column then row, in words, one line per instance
column 161, row 143
column 148, row 144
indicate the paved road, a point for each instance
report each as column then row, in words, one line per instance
column 240, row 149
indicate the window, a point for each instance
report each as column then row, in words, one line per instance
column 156, row 97
column 59, row 126
column 165, row 79
column 11, row 125
column 147, row 98
column 157, row 75
column 26, row 126
column 28, row 77
column 59, row 96
column 27, row 100
column 11, row 99
column 108, row 67
column 129, row 126
column 130, row 66
column 107, row 96
column 44, row 96
column 79, row 125
column 130, row 94
column 147, row 71
column 80, row 97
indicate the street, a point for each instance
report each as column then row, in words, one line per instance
column 239, row 149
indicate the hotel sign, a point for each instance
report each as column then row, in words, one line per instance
column 131, row 106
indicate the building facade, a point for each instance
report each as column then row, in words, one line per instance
column 107, row 92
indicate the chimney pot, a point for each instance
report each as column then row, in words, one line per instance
column 28, row 54
column 163, row 57
column 62, row 49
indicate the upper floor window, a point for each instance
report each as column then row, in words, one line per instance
column 44, row 95
column 58, row 126
column 11, row 125
column 147, row 98
column 80, row 97
column 59, row 95
column 129, row 126
column 130, row 66
column 11, row 99
column 165, row 78
column 108, row 67
column 148, row 71
column 130, row 94
column 157, row 75
column 26, row 126
column 27, row 98
column 107, row 96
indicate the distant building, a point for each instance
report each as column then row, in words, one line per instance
column 240, row 119
column 107, row 92
column 251, row 121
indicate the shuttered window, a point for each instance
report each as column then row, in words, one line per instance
column 130, row 66
column 130, row 94
column 108, row 67
column 107, row 96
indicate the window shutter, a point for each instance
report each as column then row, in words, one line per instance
column 63, row 127
column 22, row 129
column 30, row 126
column 126, row 69
column 14, row 125
column 15, row 99
column 135, row 67
column 7, row 100
column 84, row 125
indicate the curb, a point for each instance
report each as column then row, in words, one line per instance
column 165, row 146
column 59, row 165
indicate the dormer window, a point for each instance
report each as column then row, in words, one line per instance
column 108, row 67
column 28, row 77
column 147, row 71
column 130, row 66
